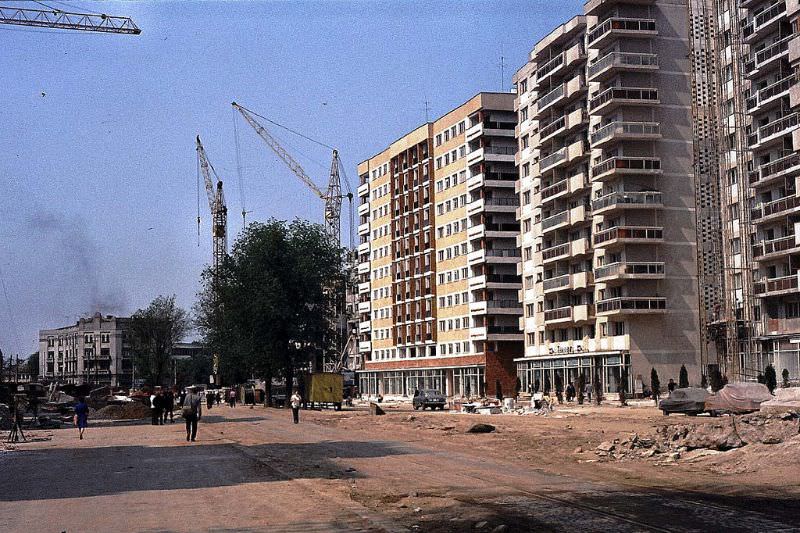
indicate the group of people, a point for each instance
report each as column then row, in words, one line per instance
column 162, row 403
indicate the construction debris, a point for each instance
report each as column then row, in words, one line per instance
column 481, row 428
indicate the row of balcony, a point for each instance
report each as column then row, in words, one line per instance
column 758, row 60
column 774, row 130
column 569, row 185
column 629, row 270
column 564, row 250
column 775, row 169
column 574, row 281
column 775, row 286
column 613, row 97
column 764, row 249
column 770, row 93
column 613, row 62
column 627, row 200
column 628, row 234
column 563, row 124
column 619, row 26
column 761, row 23
column 620, row 129
column 776, row 207
column 614, row 166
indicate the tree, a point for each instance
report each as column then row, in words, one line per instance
column 770, row 378
column 785, row 376
column 655, row 385
column 622, row 387
column 33, row 366
column 716, row 380
column 683, row 378
column 269, row 311
column 154, row 332
column 580, row 386
column 517, row 387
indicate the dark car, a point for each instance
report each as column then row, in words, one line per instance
column 691, row 401
column 429, row 398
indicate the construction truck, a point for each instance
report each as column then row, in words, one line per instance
column 324, row 389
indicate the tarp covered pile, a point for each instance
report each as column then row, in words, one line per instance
column 739, row 398
column 786, row 400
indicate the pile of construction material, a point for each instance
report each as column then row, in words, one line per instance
column 127, row 411
column 690, row 441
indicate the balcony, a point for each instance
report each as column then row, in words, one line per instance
column 762, row 59
column 555, row 222
column 501, row 255
column 621, row 130
column 564, row 187
column 614, row 97
column 364, row 326
column 773, row 248
column 634, row 305
column 598, row 7
column 504, row 333
column 489, row 128
column 629, row 270
column 776, row 286
column 774, row 131
column 614, row 27
column 553, row 160
column 616, row 166
column 557, row 283
column 551, row 67
column 363, row 287
column 364, row 307
column 558, row 315
column 762, row 23
column 364, row 346
column 363, row 229
column 363, row 189
column 784, row 166
column 611, row 63
column 780, row 207
column 512, row 307
column 628, row 235
column 627, row 200
column 770, row 94
column 563, row 125
column 550, row 97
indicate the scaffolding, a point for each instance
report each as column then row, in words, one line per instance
column 735, row 327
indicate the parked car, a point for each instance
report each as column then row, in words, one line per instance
column 738, row 398
column 691, row 401
column 429, row 398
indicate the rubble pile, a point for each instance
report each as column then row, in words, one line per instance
column 690, row 441
column 128, row 411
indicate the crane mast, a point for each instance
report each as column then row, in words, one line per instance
column 332, row 196
column 219, row 210
column 62, row 20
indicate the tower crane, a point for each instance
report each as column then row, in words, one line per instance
column 219, row 211
column 332, row 196
column 63, row 20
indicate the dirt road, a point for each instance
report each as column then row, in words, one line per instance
column 252, row 470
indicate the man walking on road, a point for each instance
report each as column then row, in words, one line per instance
column 191, row 413
column 296, row 400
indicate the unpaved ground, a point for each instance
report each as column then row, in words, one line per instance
column 252, row 470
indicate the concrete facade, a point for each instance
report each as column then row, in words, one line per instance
column 95, row 350
column 437, row 256
column 609, row 239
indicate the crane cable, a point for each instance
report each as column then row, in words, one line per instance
column 239, row 167
column 329, row 147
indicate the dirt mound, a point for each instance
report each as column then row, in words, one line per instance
column 673, row 441
column 128, row 411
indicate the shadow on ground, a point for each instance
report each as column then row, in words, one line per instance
column 81, row 472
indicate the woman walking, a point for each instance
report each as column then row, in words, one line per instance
column 296, row 400
column 81, row 418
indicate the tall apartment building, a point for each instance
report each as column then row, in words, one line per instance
column 437, row 256
column 94, row 350
column 608, row 190
column 769, row 41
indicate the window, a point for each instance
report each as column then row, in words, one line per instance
column 523, row 114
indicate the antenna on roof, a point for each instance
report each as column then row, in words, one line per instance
column 502, row 69
column 426, row 109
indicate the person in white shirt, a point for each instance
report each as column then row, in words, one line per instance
column 296, row 400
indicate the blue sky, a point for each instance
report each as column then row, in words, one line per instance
column 97, row 131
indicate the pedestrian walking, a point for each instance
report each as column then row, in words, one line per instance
column 159, row 405
column 191, row 412
column 81, row 418
column 671, row 386
column 168, row 407
column 296, row 400
column 153, row 409
column 232, row 398
column 209, row 399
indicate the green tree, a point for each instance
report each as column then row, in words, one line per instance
column 270, row 310
column 154, row 331
column 770, row 378
column 683, row 378
column 655, row 385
